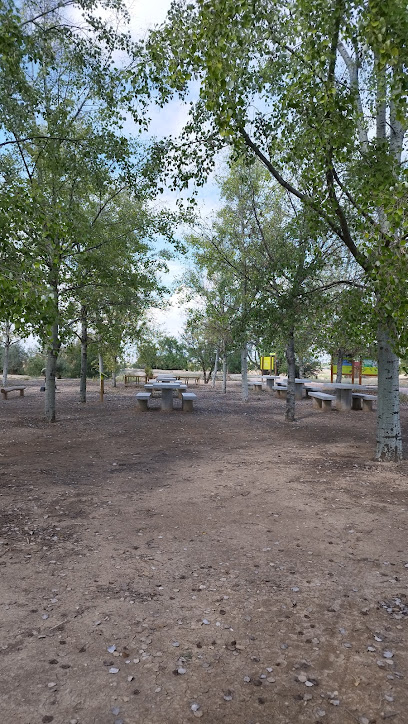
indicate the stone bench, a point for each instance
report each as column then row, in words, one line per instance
column 321, row 401
column 361, row 401
column 187, row 400
column 254, row 385
column 308, row 390
column 280, row 390
column 5, row 391
column 143, row 399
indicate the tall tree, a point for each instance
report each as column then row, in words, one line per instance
column 318, row 93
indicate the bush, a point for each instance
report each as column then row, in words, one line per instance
column 17, row 358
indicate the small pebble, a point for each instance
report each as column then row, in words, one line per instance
column 205, row 622
column 320, row 712
column 302, row 678
column 247, row 679
column 364, row 720
column 111, row 649
column 194, row 706
column 388, row 654
column 113, row 670
column 335, row 702
column 175, row 643
column 52, row 684
column 180, row 670
column 271, row 680
column 115, row 710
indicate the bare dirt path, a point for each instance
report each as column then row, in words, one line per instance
column 221, row 565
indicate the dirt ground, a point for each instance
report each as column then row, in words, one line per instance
column 221, row 565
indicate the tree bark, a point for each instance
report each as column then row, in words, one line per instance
column 224, row 373
column 50, row 374
column 115, row 361
column 339, row 373
column 101, row 377
column 244, row 372
column 290, row 395
column 301, row 368
column 84, row 354
column 389, row 441
column 214, row 377
column 6, row 352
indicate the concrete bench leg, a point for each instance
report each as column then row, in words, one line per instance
column 167, row 400
column 326, row 405
column 187, row 406
column 4, row 395
column 356, row 403
column 317, row 404
column 143, row 405
column 368, row 405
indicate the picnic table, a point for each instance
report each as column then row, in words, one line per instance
column 138, row 377
column 270, row 380
column 166, row 389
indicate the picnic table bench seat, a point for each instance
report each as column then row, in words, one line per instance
column 322, row 401
column 143, row 399
column 187, row 401
column 5, row 390
column 254, row 384
column 310, row 388
column 362, row 401
column 280, row 390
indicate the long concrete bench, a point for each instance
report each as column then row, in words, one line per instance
column 143, row 399
column 187, row 401
column 309, row 389
column 280, row 390
column 361, row 401
column 321, row 401
column 5, row 391
column 254, row 385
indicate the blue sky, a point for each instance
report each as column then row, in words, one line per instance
column 164, row 121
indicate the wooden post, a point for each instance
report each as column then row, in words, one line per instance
column 102, row 388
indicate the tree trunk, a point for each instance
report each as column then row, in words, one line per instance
column 6, row 352
column 389, row 441
column 290, row 395
column 217, row 356
column 50, row 374
column 84, row 354
column 115, row 362
column 339, row 373
column 244, row 372
column 301, row 368
column 224, row 373
column 101, row 377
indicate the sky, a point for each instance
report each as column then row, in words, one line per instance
column 169, row 120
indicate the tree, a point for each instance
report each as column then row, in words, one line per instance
column 318, row 93
column 199, row 342
column 71, row 162
column 280, row 274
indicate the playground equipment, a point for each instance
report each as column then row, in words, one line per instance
column 268, row 364
column 355, row 369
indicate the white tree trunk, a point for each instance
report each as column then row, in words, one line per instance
column 101, row 377
column 50, row 375
column 84, row 355
column 6, row 352
column 389, row 441
column 214, row 377
column 224, row 373
column 290, row 395
column 244, row 372
column 339, row 373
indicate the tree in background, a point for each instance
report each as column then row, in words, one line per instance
column 318, row 93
